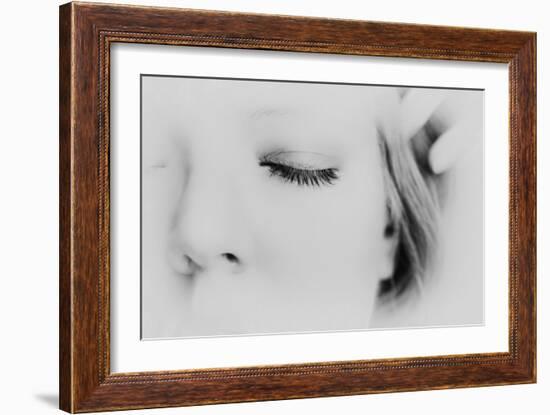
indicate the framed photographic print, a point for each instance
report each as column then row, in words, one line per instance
column 258, row 207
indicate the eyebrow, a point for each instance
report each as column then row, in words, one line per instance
column 158, row 165
column 266, row 112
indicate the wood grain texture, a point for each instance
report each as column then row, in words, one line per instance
column 86, row 33
column 65, row 220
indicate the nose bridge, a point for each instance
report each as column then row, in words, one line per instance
column 205, row 218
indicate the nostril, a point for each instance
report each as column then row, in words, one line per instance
column 182, row 263
column 230, row 257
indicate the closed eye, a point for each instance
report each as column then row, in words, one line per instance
column 301, row 176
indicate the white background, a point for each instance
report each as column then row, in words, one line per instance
column 29, row 210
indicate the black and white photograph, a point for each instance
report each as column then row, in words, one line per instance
column 281, row 206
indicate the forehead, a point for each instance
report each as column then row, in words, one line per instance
column 261, row 100
column 264, row 114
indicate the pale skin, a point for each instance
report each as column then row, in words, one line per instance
column 236, row 246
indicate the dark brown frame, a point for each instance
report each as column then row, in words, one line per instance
column 86, row 33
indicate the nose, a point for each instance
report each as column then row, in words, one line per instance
column 209, row 230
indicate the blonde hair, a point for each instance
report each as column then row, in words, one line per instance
column 413, row 209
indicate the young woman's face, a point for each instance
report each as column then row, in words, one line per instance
column 263, row 207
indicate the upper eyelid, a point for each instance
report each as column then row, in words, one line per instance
column 283, row 152
column 297, row 169
column 300, row 163
column 296, row 152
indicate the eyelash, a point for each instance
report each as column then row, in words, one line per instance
column 301, row 177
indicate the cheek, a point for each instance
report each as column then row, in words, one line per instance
column 362, row 209
column 331, row 236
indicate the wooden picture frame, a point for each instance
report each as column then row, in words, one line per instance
column 86, row 33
